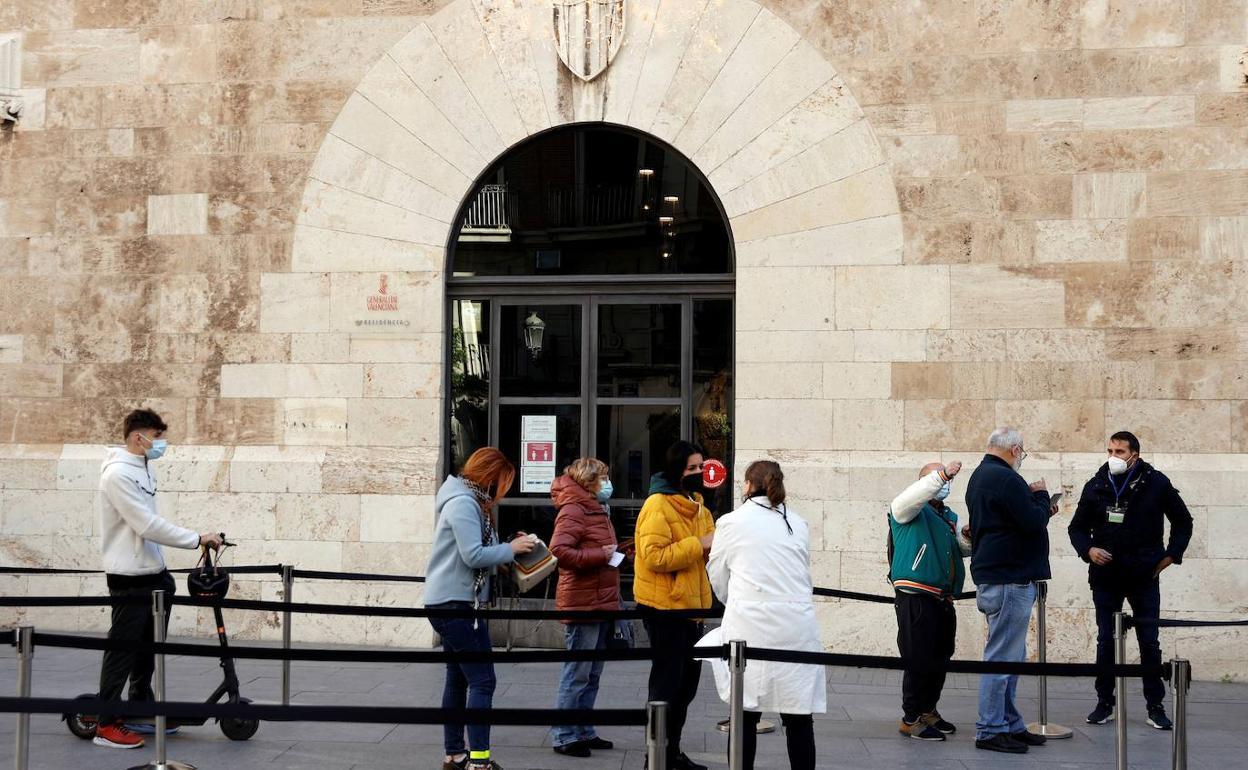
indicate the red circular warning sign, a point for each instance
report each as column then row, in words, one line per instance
column 714, row 474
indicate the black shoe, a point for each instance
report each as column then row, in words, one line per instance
column 1157, row 718
column 601, row 744
column 448, row 764
column 574, row 749
column 936, row 720
column 1001, row 742
column 1103, row 713
column 683, row 762
column 1029, row 738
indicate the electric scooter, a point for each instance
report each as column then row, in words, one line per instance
column 206, row 581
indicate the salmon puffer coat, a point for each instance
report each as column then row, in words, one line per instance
column 670, row 569
column 582, row 528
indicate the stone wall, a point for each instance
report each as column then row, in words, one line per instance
column 949, row 214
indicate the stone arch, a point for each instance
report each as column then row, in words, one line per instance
column 731, row 85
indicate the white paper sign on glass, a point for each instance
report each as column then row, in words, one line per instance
column 537, row 452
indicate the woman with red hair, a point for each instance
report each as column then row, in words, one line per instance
column 466, row 552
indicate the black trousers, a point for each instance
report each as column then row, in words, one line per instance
column 927, row 626
column 673, row 674
column 132, row 624
column 799, row 737
column 1145, row 601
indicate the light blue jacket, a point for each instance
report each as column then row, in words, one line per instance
column 457, row 547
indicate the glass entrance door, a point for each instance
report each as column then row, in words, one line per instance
column 620, row 377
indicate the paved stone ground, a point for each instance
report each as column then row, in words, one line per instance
column 859, row 730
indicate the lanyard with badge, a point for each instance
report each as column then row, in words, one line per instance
column 1117, row 513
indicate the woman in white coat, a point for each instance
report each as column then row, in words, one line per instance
column 760, row 569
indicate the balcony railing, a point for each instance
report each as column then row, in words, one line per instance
column 490, row 214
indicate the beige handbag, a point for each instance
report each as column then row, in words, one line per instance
column 531, row 568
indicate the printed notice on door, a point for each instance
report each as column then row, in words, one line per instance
column 537, row 452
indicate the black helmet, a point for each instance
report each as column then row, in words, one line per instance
column 208, row 581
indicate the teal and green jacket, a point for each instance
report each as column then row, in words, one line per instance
column 925, row 553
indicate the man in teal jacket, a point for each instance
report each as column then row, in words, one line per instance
column 926, row 570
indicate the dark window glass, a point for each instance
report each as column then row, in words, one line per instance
column 591, row 201
column 633, row 441
column 639, row 351
column 470, row 379
column 540, row 350
column 712, row 389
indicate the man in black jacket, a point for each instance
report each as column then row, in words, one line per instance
column 1118, row 529
column 1009, row 553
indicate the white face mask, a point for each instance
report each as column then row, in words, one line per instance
column 944, row 491
column 1117, row 466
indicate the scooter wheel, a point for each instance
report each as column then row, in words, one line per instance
column 82, row 725
column 239, row 729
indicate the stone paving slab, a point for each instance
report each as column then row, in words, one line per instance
column 858, row 732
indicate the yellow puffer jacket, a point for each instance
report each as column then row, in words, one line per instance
column 670, row 573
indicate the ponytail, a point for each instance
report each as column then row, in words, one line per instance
column 766, row 478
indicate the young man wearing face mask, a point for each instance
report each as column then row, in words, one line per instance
column 926, row 570
column 1009, row 554
column 132, row 533
column 1117, row 529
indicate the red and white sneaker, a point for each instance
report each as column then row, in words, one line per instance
column 117, row 736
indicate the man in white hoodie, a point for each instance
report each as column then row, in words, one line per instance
column 132, row 534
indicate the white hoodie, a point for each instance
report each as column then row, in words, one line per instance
column 132, row 532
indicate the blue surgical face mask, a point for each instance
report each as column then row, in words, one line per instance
column 944, row 491
column 157, row 449
column 605, row 491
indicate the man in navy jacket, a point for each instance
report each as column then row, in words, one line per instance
column 1117, row 529
column 1009, row 553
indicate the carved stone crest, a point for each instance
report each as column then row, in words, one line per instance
column 588, row 34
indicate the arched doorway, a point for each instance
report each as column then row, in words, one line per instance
column 590, row 312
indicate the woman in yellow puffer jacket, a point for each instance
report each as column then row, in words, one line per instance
column 674, row 533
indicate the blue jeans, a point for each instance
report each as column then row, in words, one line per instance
column 1008, row 609
column 468, row 685
column 578, row 684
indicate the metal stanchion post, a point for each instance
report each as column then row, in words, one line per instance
column 656, row 735
column 736, row 705
column 25, row 644
column 1120, row 692
column 288, row 583
column 159, row 610
column 1043, row 727
column 1180, row 680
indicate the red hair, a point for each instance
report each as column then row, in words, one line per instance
column 488, row 467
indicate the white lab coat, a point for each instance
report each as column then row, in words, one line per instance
column 761, row 572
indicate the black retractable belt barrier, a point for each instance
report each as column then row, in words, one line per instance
column 311, row 574
column 248, row 569
column 955, row 666
column 321, row 575
column 877, row 598
column 343, row 655
column 8, row 638
column 353, row 714
column 1176, row 623
column 48, row 571
column 854, row 595
column 583, row 616
column 74, row 601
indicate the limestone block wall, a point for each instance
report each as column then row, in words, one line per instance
column 947, row 215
